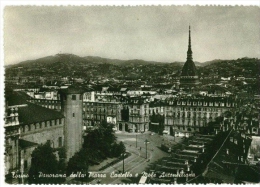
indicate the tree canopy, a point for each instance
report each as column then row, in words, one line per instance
column 78, row 163
column 44, row 161
column 100, row 143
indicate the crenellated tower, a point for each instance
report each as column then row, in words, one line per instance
column 72, row 104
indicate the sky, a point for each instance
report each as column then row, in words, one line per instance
column 153, row 33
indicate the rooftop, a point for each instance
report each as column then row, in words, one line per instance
column 16, row 98
column 34, row 113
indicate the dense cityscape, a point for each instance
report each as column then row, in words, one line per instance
column 105, row 121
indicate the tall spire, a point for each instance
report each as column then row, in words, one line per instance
column 189, row 68
column 189, row 74
column 189, row 52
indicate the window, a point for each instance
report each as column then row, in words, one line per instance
column 73, row 97
column 60, row 142
column 73, row 114
column 25, row 164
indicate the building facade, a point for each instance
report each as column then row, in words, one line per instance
column 186, row 115
column 138, row 115
column 96, row 112
column 27, row 126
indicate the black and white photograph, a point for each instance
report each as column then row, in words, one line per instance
column 134, row 95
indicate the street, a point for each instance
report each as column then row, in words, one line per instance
column 136, row 163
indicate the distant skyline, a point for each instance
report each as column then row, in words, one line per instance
column 152, row 33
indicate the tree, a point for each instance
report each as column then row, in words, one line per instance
column 62, row 160
column 44, row 161
column 121, row 148
column 99, row 143
column 118, row 149
column 125, row 114
column 108, row 133
column 161, row 123
column 157, row 118
column 171, row 131
column 78, row 163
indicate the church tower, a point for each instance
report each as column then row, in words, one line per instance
column 189, row 76
column 72, row 104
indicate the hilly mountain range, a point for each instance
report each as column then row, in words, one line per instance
column 92, row 66
column 66, row 58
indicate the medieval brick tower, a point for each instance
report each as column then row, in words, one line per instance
column 71, row 102
column 189, row 76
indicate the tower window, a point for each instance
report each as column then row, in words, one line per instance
column 25, row 164
column 73, row 114
column 73, row 97
column 60, row 142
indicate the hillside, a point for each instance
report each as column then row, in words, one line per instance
column 91, row 67
column 71, row 58
column 246, row 67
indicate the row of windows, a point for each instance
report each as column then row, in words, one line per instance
column 138, row 119
column 195, row 124
column 57, row 107
column 199, row 118
column 189, row 115
column 100, row 104
column 99, row 110
column 193, row 109
column 45, row 101
column 204, row 103
column 95, row 115
column 131, row 112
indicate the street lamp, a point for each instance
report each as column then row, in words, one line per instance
column 146, row 142
column 82, row 171
column 123, row 154
column 136, row 140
